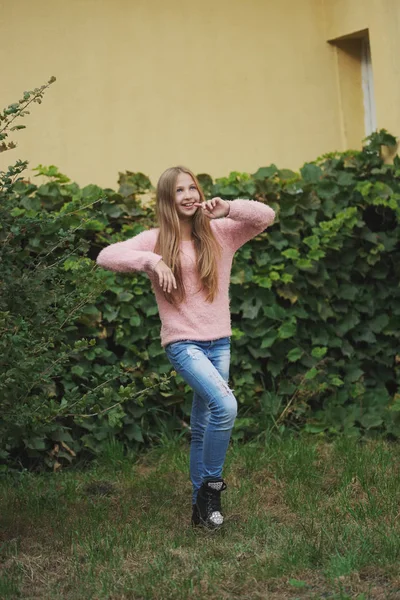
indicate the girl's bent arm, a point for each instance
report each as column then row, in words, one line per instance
column 245, row 220
column 132, row 255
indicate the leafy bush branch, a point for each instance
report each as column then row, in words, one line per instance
column 19, row 110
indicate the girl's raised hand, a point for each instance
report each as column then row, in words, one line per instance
column 214, row 208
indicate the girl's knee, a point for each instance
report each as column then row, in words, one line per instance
column 228, row 413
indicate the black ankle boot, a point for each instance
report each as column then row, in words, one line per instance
column 207, row 510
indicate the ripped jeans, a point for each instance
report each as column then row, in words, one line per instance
column 205, row 367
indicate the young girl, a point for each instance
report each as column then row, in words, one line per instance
column 188, row 259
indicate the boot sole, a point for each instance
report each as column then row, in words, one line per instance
column 205, row 525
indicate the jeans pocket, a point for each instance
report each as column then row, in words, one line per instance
column 172, row 350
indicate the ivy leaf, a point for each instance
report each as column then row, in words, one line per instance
column 303, row 263
column 288, row 329
column 288, row 293
column 316, row 254
column 295, row 354
column 311, row 173
column 77, row 370
column 35, row 443
column 370, row 420
column 237, row 334
column 312, row 241
column 277, row 240
column 345, row 178
column 348, row 292
column 125, row 296
column 287, row 174
column 266, row 172
column 336, row 380
column 251, row 308
column 115, row 416
column 347, row 323
column 268, row 339
column 379, row 323
column 263, row 282
column 275, row 312
column 292, row 253
column 311, row 374
column 353, row 374
column 365, row 335
column 112, row 210
column 238, row 277
column 274, row 368
column 319, row 352
column 290, row 225
column 327, row 189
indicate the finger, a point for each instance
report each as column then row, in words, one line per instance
column 174, row 281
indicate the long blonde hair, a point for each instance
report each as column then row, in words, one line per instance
column 168, row 242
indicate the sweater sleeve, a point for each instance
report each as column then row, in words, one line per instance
column 135, row 254
column 246, row 219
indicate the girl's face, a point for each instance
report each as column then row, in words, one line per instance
column 186, row 194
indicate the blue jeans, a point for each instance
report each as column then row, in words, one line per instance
column 205, row 367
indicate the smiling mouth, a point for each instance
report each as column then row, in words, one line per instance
column 188, row 205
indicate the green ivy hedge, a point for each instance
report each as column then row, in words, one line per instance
column 316, row 299
column 315, row 304
column 66, row 385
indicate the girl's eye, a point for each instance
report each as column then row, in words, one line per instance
column 192, row 187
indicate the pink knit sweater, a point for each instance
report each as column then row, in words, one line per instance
column 194, row 319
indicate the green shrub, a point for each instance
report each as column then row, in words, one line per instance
column 314, row 300
column 60, row 391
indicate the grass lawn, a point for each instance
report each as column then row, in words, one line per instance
column 304, row 519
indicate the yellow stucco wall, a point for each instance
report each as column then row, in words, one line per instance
column 217, row 85
column 382, row 19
